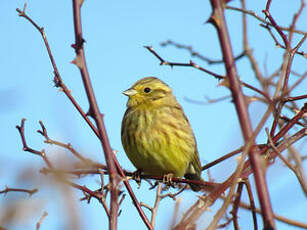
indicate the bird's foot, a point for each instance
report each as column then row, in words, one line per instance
column 137, row 177
column 167, row 179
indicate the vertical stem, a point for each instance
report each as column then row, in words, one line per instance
column 95, row 113
column 218, row 20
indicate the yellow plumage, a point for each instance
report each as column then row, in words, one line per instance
column 156, row 134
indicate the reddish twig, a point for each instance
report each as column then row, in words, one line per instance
column 253, row 14
column 206, row 185
column 217, row 76
column 296, row 170
column 26, row 148
column 274, row 24
column 197, row 54
column 236, row 206
column 218, row 20
column 301, row 97
column 94, row 111
column 277, row 217
column 191, row 64
column 228, row 155
column 96, row 194
column 29, row 191
column 252, row 203
column 69, row 147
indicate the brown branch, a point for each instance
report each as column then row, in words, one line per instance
column 94, row 111
column 277, row 43
column 277, row 217
column 204, row 202
column 69, row 147
column 26, row 148
column 206, row 185
column 194, row 53
column 192, row 64
column 290, row 124
column 208, row 100
column 159, row 197
column 252, row 203
column 98, row 194
column 249, row 52
column 298, row 82
column 154, row 209
column 253, row 14
column 295, row 98
column 288, row 69
column 236, row 206
column 282, row 146
column 217, row 161
column 29, row 191
column 297, row 158
column 274, row 24
column 285, row 85
column 224, row 225
column 298, row 171
column 294, row 20
column 39, row 223
column 218, row 20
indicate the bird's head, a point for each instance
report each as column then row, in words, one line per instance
column 149, row 91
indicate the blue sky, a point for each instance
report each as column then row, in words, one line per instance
column 115, row 33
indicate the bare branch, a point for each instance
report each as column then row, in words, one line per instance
column 39, row 223
column 29, row 191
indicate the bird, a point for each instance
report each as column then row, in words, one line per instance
column 156, row 134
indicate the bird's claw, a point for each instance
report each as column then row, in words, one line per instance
column 167, row 179
column 137, row 177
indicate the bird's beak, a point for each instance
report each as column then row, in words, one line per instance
column 130, row 92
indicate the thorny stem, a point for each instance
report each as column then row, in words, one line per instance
column 21, row 130
column 59, row 83
column 194, row 53
column 218, row 20
column 217, row 76
column 94, row 111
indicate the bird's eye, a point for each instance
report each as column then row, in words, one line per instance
column 147, row 90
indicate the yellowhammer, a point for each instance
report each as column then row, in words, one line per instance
column 156, row 134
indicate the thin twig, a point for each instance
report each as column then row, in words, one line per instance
column 217, row 76
column 39, row 223
column 26, row 148
column 253, row 14
column 252, row 203
column 235, row 208
column 94, row 112
column 277, row 217
column 29, row 191
column 194, row 53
